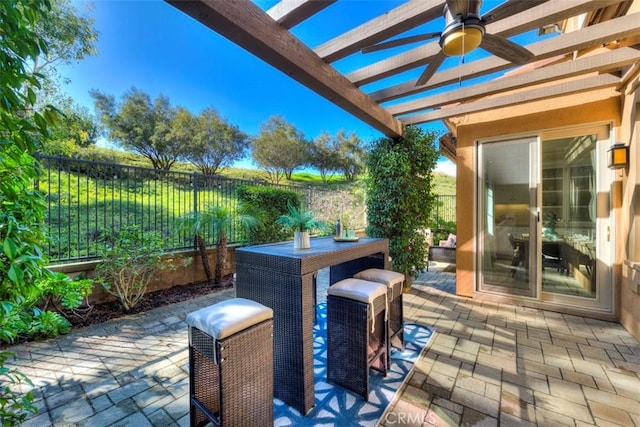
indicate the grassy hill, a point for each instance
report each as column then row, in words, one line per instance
column 443, row 184
column 86, row 200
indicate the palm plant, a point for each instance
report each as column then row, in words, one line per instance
column 217, row 219
column 298, row 219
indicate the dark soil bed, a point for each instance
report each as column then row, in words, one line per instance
column 112, row 310
column 106, row 311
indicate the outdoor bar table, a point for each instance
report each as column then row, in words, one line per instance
column 283, row 278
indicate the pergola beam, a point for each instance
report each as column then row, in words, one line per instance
column 562, row 89
column 250, row 27
column 535, row 17
column 289, row 13
column 604, row 62
column 396, row 21
column 619, row 28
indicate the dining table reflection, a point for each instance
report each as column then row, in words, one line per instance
column 568, row 255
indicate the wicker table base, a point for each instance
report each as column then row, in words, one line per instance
column 282, row 278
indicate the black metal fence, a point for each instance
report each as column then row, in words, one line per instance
column 86, row 199
column 445, row 209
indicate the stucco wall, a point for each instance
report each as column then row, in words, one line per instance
column 521, row 121
column 629, row 248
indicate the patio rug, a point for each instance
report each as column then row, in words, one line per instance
column 336, row 406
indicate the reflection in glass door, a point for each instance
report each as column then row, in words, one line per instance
column 544, row 219
column 508, row 227
column 568, row 232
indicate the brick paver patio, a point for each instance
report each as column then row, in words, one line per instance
column 487, row 364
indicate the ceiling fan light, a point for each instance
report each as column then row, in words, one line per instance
column 462, row 41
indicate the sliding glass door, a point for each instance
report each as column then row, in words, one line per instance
column 568, row 231
column 543, row 218
column 507, row 216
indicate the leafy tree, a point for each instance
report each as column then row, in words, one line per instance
column 80, row 125
column 196, row 224
column 211, row 143
column 22, row 263
column 352, row 155
column 78, row 129
column 70, row 37
column 279, row 148
column 399, row 198
column 324, row 155
column 140, row 125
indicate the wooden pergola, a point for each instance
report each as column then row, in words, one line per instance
column 556, row 68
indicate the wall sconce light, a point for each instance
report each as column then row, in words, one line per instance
column 618, row 156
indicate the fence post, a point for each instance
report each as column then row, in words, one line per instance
column 195, row 193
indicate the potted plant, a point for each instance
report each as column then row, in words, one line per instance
column 301, row 222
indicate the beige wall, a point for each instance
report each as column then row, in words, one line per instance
column 619, row 106
column 628, row 248
column 493, row 125
column 625, row 117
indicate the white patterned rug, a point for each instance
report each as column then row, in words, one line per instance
column 336, row 406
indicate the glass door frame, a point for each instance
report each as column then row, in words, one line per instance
column 604, row 255
column 605, row 224
column 533, row 289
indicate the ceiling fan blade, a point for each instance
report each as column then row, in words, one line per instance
column 508, row 8
column 431, row 69
column 458, row 7
column 505, row 49
column 399, row 42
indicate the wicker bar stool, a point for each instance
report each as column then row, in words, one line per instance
column 394, row 282
column 231, row 364
column 356, row 333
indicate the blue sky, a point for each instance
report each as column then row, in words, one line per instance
column 158, row 49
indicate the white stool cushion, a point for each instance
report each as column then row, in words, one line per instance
column 357, row 289
column 228, row 317
column 379, row 275
column 361, row 290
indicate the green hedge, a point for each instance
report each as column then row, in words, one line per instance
column 269, row 203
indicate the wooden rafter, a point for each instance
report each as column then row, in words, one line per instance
column 595, row 35
column 398, row 20
column 563, row 89
column 289, row 13
column 535, row 17
column 250, row 27
column 604, row 62
column 266, row 35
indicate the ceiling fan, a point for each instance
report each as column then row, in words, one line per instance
column 464, row 31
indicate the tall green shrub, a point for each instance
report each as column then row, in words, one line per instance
column 267, row 204
column 399, row 198
column 21, row 207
